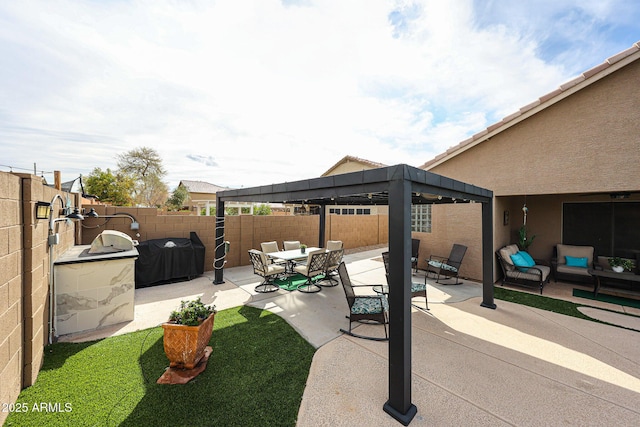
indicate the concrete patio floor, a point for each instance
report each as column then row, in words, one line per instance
column 515, row 365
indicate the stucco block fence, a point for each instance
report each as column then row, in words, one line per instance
column 24, row 278
column 243, row 232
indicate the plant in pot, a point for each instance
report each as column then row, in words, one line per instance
column 303, row 248
column 620, row 264
column 523, row 241
column 187, row 333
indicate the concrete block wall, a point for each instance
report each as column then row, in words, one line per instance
column 24, row 273
column 36, row 264
column 459, row 223
column 357, row 231
column 244, row 232
column 11, row 325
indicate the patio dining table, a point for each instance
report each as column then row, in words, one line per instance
column 291, row 256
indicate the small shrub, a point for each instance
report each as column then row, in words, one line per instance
column 191, row 313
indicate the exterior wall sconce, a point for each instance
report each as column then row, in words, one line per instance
column 42, row 210
column 92, row 213
column 135, row 225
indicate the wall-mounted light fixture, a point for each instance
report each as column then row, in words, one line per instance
column 42, row 210
column 92, row 214
column 134, row 223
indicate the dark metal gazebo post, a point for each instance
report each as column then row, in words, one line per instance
column 218, row 262
column 322, row 225
column 399, row 405
column 487, row 255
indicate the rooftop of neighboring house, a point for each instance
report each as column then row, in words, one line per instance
column 352, row 164
column 201, row 187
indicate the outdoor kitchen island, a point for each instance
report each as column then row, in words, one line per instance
column 93, row 290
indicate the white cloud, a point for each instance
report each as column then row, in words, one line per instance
column 269, row 91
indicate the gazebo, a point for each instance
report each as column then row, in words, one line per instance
column 399, row 187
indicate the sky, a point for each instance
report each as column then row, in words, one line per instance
column 241, row 93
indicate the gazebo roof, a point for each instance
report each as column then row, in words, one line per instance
column 366, row 187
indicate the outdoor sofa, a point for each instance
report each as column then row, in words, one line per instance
column 572, row 263
column 531, row 273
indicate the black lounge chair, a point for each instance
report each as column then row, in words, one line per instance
column 364, row 308
column 446, row 267
column 417, row 289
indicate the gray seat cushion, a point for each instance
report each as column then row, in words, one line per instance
column 531, row 274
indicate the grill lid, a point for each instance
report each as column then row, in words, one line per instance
column 111, row 241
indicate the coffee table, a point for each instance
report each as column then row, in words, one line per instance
column 603, row 275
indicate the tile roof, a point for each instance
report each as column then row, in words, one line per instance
column 590, row 76
column 347, row 159
column 202, row 187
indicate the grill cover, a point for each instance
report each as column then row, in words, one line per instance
column 110, row 241
column 165, row 260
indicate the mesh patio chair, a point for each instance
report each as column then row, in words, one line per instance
column 446, row 267
column 264, row 269
column 314, row 267
column 332, row 245
column 334, row 258
column 364, row 308
column 269, row 248
column 291, row 244
column 417, row 289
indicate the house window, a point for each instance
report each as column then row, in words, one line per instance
column 610, row 227
column 348, row 211
column 363, row 211
column 421, row 218
column 334, row 211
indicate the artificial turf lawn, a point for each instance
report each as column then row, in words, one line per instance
column 538, row 301
column 255, row 377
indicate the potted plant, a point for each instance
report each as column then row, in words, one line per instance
column 187, row 333
column 303, row 248
column 620, row 264
column 523, row 241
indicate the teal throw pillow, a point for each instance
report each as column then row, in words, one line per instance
column 520, row 262
column 527, row 258
column 576, row 262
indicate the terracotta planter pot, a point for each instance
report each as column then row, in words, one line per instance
column 184, row 345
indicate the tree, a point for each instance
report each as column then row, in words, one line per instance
column 262, row 209
column 178, row 198
column 154, row 192
column 109, row 188
column 144, row 166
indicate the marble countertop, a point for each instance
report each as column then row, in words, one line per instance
column 80, row 253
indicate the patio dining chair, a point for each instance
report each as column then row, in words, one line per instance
column 332, row 245
column 446, row 267
column 364, row 308
column 291, row 244
column 417, row 289
column 264, row 269
column 269, row 248
column 314, row 267
column 334, row 258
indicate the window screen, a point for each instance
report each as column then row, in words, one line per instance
column 611, row 228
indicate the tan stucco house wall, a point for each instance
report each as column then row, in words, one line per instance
column 579, row 143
